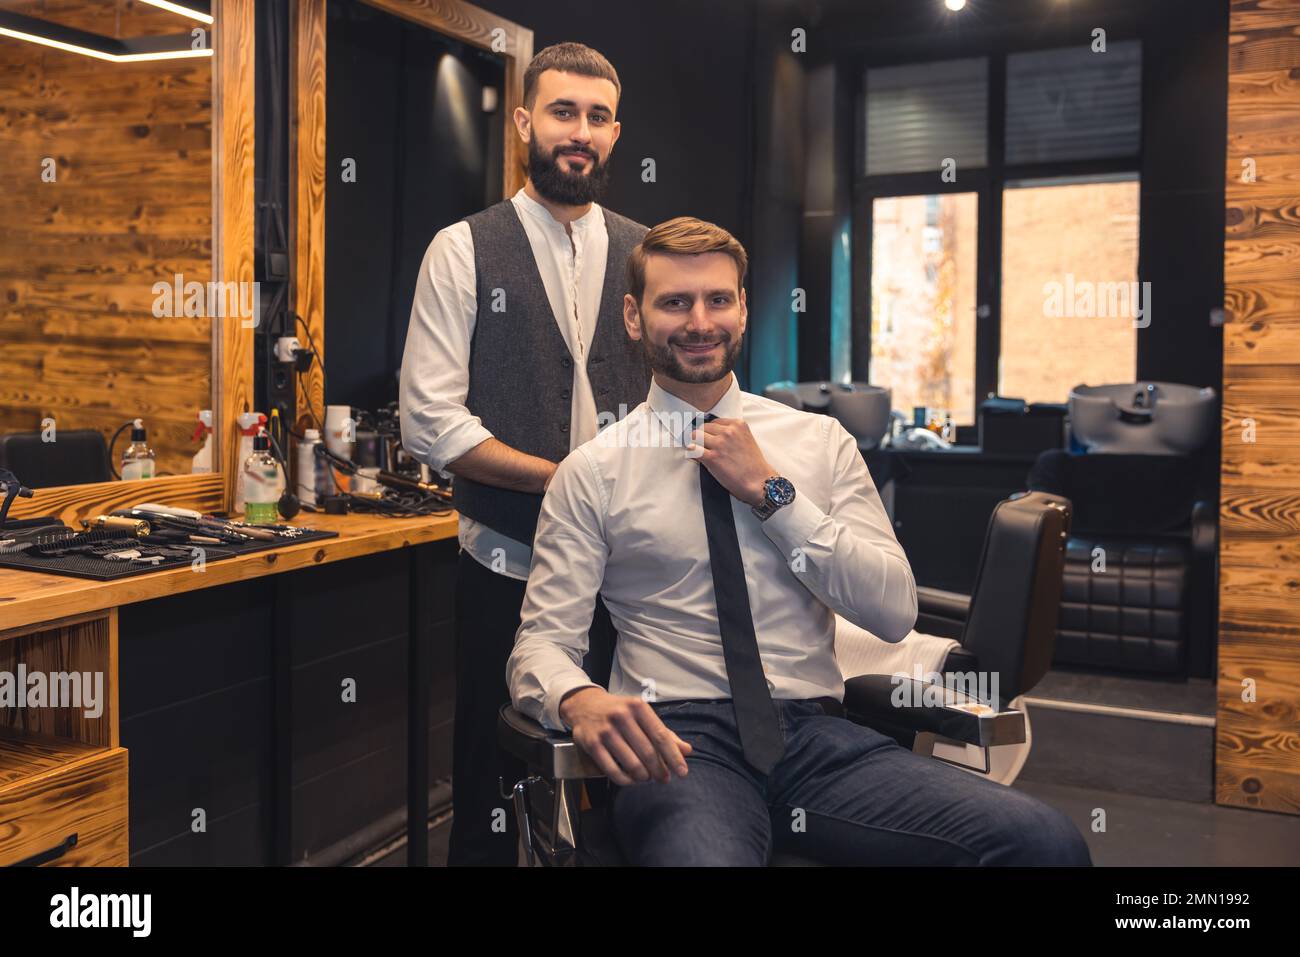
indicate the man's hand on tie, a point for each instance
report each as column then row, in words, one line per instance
column 729, row 450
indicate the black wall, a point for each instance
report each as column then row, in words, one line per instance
column 687, row 71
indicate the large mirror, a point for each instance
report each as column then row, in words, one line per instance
column 403, row 127
column 125, row 258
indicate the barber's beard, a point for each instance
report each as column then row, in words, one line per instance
column 560, row 186
column 663, row 359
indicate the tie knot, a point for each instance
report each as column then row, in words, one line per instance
column 709, row 417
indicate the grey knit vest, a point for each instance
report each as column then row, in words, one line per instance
column 520, row 369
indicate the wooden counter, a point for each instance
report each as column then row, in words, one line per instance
column 65, row 775
column 28, row 598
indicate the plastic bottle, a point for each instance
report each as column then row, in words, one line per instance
column 340, row 438
column 138, row 459
column 202, row 462
column 305, row 485
column 263, row 483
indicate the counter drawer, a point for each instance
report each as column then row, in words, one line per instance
column 72, row 815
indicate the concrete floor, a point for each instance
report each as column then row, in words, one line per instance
column 1158, row 832
column 1140, row 831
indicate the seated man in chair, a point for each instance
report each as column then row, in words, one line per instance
column 724, row 531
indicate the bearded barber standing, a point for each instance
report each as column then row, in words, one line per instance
column 516, row 349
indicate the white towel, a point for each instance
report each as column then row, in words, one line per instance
column 859, row 652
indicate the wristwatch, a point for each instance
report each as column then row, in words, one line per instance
column 778, row 492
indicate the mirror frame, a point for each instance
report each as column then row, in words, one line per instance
column 454, row 18
column 233, row 92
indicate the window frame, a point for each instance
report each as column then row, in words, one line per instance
column 988, row 183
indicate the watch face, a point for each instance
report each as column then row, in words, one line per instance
column 779, row 491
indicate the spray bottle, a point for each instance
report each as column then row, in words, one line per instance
column 202, row 463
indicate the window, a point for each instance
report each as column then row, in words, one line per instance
column 921, row 114
column 923, row 301
column 1074, row 104
column 961, row 307
column 1071, row 304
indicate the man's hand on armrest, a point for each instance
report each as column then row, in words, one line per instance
column 624, row 736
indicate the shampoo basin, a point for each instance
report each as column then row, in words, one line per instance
column 1143, row 418
column 862, row 409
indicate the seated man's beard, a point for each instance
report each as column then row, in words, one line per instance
column 664, row 359
column 560, row 186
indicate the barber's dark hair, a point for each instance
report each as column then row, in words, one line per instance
column 568, row 58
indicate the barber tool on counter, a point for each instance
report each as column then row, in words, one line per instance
column 13, row 489
column 136, row 540
column 357, row 463
column 193, row 525
column 397, row 495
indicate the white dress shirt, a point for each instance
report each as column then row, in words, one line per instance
column 623, row 518
column 437, row 428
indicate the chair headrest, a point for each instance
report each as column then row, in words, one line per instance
column 1015, row 604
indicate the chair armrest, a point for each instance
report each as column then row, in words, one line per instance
column 944, row 604
column 904, row 703
column 551, row 754
column 940, row 612
column 1205, row 527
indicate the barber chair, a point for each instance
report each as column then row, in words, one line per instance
column 1006, row 628
column 79, row 455
column 1139, row 589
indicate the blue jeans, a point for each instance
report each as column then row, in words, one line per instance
column 841, row 794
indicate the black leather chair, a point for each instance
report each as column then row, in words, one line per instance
column 1139, row 589
column 1008, row 626
column 79, row 456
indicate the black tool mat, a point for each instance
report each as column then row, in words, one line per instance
column 104, row 569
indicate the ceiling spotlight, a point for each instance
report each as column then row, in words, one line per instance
column 954, row 5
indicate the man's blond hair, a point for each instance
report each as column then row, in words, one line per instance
column 683, row 236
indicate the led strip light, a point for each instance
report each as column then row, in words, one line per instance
column 192, row 10
column 69, row 40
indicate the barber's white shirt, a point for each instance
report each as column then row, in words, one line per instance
column 437, row 428
column 623, row 518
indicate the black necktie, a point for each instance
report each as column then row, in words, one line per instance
column 760, row 733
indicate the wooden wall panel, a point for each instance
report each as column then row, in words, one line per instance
column 307, row 198
column 1258, row 739
column 233, row 217
column 131, row 205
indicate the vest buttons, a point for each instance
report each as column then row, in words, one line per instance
column 564, row 427
column 566, row 362
column 565, row 394
column 604, row 390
